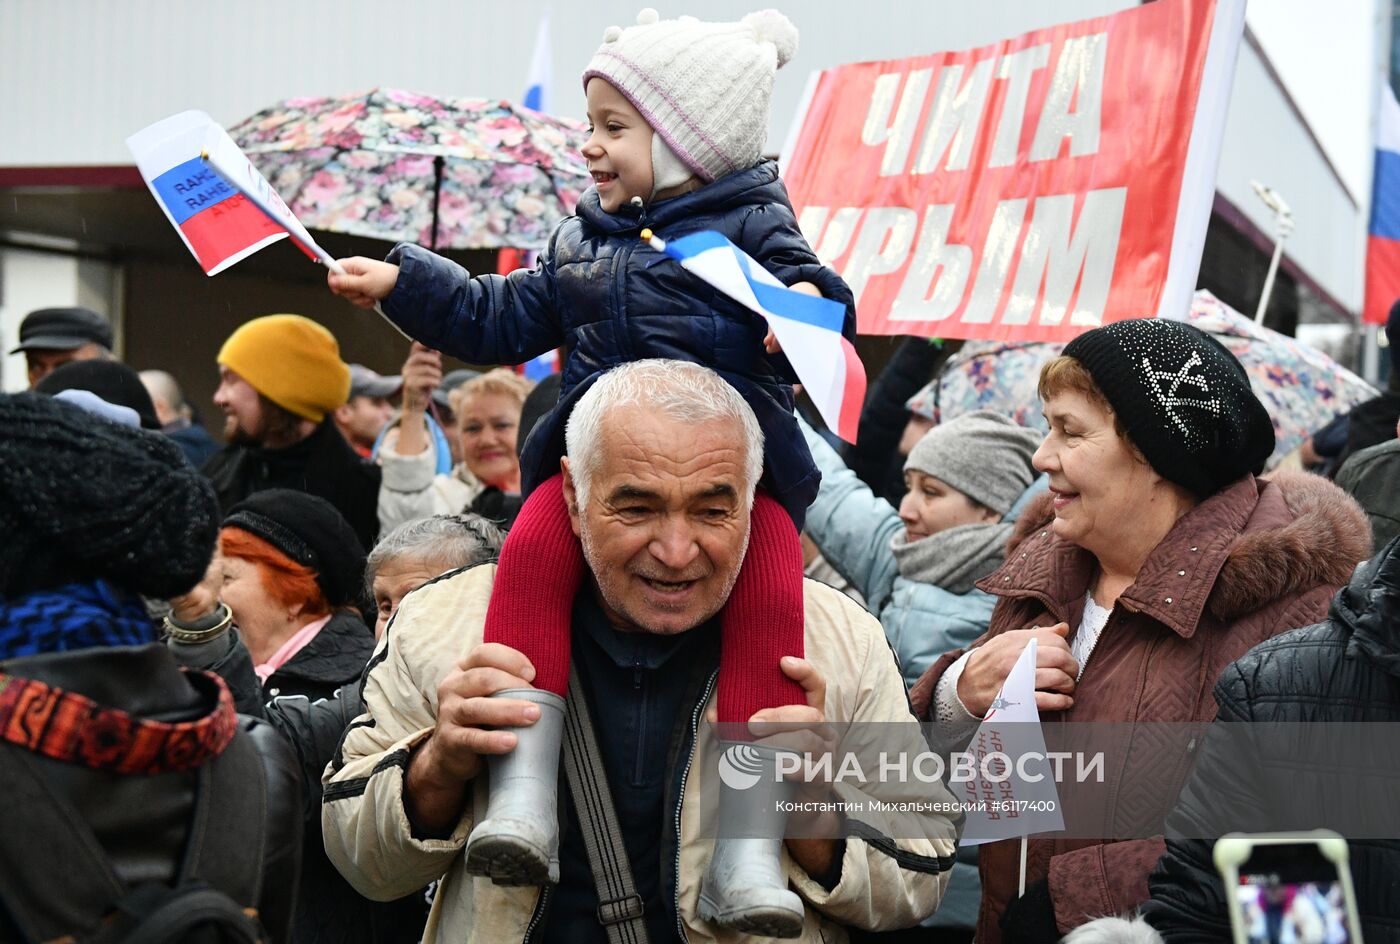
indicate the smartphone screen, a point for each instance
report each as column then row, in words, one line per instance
column 1290, row 894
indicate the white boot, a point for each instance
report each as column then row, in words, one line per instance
column 517, row 842
column 745, row 888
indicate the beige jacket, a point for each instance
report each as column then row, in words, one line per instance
column 884, row 883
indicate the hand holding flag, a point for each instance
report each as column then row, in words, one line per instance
column 1027, row 801
column 807, row 328
column 221, row 205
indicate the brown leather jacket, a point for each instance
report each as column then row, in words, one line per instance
column 1255, row 559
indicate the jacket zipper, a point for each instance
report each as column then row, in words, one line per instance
column 540, row 905
column 1111, row 807
column 643, row 690
column 1093, row 645
column 619, row 290
column 543, row 901
column 685, row 775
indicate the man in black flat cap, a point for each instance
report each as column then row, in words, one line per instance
column 51, row 337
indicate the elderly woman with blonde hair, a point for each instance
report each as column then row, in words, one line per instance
column 1158, row 557
column 487, row 410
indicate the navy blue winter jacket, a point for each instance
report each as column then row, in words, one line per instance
column 609, row 298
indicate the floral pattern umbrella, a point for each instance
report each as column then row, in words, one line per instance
column 1302, row 388
column 448, row 173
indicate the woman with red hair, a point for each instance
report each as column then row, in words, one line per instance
column 292, row 574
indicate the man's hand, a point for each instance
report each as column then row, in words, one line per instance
column 991, row 662
column 803, row 729
column 365, row 281
column 435, row 788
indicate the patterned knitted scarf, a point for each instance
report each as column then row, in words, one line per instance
column 76, row 616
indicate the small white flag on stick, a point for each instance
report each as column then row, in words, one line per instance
column 1017, row 794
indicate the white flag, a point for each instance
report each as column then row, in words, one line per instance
column 1013, row 792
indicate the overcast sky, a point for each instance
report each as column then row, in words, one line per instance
column 1324, row 53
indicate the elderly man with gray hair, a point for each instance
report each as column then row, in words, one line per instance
column 663, row 459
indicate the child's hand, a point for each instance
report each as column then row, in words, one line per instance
column 365, row 281
column 770, row 341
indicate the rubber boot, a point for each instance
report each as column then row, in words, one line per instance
column 745, row 888
column 517, row 842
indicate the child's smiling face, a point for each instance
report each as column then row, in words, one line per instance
column 618, row 149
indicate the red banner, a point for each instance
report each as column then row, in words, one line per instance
column 1030, row 189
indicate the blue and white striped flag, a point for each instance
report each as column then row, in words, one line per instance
column 807, row 327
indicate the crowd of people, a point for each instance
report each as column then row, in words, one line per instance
column 453, row 656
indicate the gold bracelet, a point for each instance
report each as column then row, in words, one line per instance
column 193, row 637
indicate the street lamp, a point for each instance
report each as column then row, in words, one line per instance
column 1283, row 226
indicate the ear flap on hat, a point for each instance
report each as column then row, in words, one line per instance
column 667, row 169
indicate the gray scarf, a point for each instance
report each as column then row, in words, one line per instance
column 954, row 559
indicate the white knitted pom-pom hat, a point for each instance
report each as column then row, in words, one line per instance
column 703, row 87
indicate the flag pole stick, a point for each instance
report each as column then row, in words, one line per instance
column 1024, row 841
column 655, row 242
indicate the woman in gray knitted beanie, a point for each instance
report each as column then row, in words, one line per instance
column 917, row 566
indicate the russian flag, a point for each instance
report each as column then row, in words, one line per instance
column 537, row 95
column 538, row 368
column 808, row 328
column 1383, row 240
column 218, row 224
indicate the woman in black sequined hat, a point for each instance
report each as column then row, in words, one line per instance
column 1157, row 558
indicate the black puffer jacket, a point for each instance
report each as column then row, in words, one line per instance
column 1346, row 669
column 611, row 298
column 1372, row 422
column 322, row 464
column 334, row 657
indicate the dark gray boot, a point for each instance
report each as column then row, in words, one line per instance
column 745, row 888
column 517, row 842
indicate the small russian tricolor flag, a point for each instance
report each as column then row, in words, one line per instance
column 537, row 84
column 538, row 368
column 1383, row 239
column 808, row 328
column 219, row 224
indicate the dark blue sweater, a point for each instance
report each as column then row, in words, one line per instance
column 641, row 690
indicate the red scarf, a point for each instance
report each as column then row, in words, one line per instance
column 75, row 729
